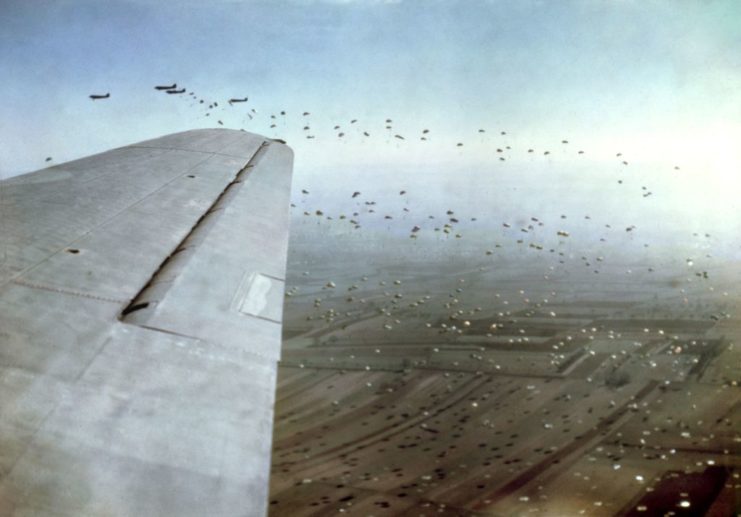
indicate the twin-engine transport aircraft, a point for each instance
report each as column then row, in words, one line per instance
column 141, row 295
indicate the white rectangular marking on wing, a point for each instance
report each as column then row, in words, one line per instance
column 255, row 297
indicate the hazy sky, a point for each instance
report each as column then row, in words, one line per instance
column 659, row 81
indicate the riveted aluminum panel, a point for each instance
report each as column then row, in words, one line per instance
column 100, row 415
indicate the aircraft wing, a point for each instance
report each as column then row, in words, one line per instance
column 141, row 295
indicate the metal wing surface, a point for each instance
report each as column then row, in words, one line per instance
column 141, row 295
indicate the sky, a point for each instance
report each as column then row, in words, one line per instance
column 657, row 81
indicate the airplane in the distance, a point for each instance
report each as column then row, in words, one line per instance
column 141, row 295
column 96, row 97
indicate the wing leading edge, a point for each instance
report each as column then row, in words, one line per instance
column 140, row 315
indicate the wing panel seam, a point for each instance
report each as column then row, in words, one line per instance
column 43, row 287
column 211, row 212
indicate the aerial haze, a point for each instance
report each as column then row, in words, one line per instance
column 513, row 271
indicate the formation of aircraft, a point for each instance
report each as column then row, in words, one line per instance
column 146, row 299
